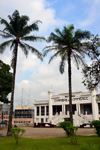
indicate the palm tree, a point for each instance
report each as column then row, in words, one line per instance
column 18, row 30
column 68, row 45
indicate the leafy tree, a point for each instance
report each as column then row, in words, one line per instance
column 5, row 82
column 18, row 30
column 91, row 75
column 91, row 72
column 68, row 45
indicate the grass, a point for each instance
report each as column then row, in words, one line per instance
column 84, row 143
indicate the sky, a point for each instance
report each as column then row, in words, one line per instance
column 35, row 78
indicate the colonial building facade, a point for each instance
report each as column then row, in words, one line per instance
column 85, row 105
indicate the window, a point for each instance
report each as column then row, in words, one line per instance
column 47, row 110
column 65, row 109
column 42, row 110
column 42, row 120
column 37, row 111
column 46, row 119
column 73, row 108
column 88, row 108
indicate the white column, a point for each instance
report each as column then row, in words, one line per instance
column 45, row 110
column 50, row 105
column 94, row 106
column 79, row 109
column 35, row 114
column 64, row 109
column 35, row 108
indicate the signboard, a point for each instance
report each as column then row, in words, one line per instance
column 73, row 99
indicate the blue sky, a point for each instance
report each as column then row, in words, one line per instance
column 31, row 72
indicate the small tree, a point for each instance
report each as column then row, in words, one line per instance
column 70, row 130
column 65, row 125
column 18, row 132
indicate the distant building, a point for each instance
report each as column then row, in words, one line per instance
column 4, row 112
column 23, row 115
column 85, row 106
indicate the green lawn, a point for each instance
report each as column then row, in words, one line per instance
column 84, row 143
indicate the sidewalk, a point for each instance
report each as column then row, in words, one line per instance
column 50, row 132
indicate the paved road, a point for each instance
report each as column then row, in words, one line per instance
column 50, row 132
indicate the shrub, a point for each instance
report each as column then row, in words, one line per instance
column 96, row 124
column 18, row 132
column 65, row 125
column 72, row 131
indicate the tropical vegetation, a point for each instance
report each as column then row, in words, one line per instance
column 68, row 45
column 5, row 82
column 91, row 73
column 18, row 32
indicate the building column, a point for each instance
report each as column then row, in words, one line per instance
column 94, row 106
column 63, row 109
column 50, row 105
column 35, row 114
column 35, row 110
column 79, row 109
column 39, row 114
column 45, row 110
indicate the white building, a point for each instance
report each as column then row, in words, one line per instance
column 85, row 105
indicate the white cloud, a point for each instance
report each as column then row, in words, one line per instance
column 92, row 12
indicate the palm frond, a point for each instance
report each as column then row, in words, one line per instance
column 4, row 45
column 27, row 29
column 6, row 35
column 8, row 27
column 81, row 35
column 32, row 38
column 48, row 49
column 78, row 60
column 54, row 47
column 12, row 45
column 24, row 48
column 55, row 55
column 56, row 39
column 34, row 51
column 62, row 64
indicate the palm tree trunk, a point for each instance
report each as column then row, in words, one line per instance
column 12, row 93
column 70, row 88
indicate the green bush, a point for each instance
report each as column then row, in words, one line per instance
column 65, row 125
column 18, row 132
column 70, row 130
column 96, row 124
